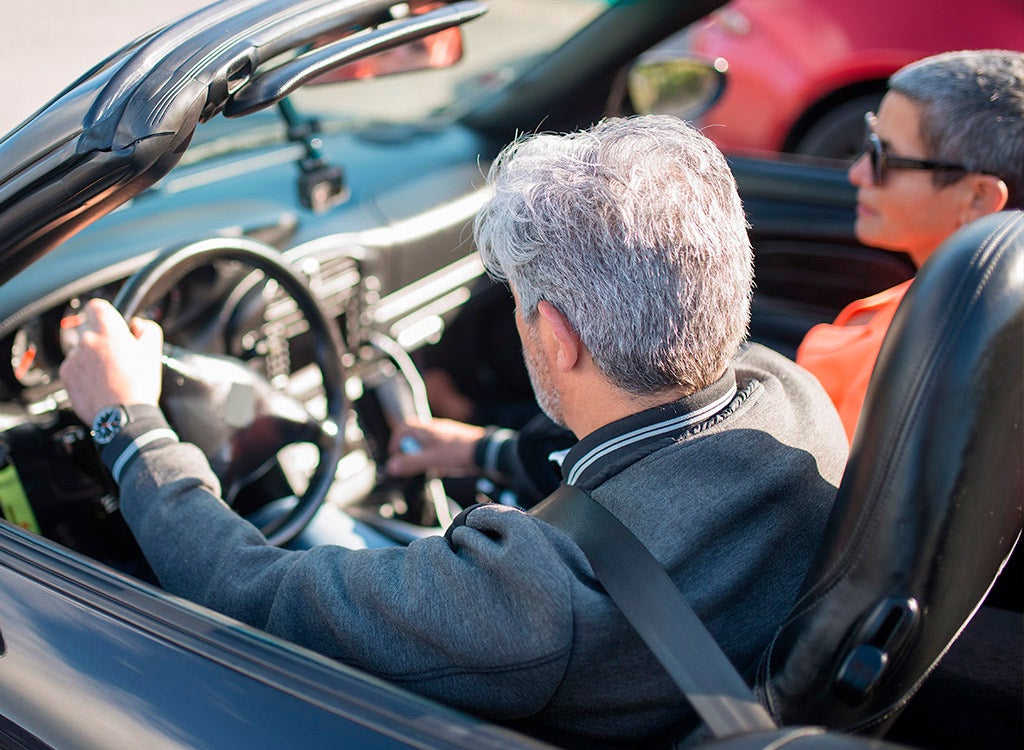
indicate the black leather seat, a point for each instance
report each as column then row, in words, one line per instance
column 931, row 503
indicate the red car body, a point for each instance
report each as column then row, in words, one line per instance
column 802, row 72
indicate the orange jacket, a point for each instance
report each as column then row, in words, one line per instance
column 842, row 354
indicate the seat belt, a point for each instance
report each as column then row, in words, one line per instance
column 656, row 609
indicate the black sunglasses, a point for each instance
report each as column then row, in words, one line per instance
column 881, row 162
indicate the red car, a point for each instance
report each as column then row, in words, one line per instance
column 801, row 73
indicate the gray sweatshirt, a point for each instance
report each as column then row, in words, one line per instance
column 730, row 488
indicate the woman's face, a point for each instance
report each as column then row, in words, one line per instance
column 908, row 212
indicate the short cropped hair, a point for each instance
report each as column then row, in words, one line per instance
column 972, row 112
column 635, row 232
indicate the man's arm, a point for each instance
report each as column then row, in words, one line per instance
column 442, row 616
column 518, row 460
column 443, row 446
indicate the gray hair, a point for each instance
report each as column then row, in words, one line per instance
column 635, row 232
column 972, row 112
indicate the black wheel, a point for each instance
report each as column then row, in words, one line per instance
column 839, row 133
column 232, row 412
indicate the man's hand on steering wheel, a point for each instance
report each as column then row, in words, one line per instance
column 111, row 362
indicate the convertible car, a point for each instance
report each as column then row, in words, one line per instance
column 286, row 186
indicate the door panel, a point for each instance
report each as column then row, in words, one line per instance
column 95, row 659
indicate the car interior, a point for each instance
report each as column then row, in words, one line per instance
column 889, row 635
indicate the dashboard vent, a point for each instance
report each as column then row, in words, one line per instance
column 334, row 280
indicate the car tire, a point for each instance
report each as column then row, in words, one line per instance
column 839, row 133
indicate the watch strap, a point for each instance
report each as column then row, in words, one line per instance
column 146, row 425
column 487, row 451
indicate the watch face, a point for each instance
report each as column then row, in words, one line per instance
column 107, row 424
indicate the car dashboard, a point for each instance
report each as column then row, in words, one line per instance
column 390, row 267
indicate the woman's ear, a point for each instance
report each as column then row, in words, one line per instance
column 988, row 195
column 565, row 338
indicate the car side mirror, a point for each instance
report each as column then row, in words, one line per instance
column 683, row 86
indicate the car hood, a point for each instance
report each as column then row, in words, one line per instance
column 125, row 123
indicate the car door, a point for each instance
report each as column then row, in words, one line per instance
column 90, row 658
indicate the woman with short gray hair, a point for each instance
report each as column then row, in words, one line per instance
column 946, row 148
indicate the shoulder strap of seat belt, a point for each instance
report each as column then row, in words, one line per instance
column 656, row 609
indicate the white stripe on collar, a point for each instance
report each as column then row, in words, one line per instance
column 643, row 433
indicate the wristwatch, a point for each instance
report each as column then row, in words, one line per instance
column 119, row 443
column 110, row 421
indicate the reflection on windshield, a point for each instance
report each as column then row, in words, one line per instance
column 496, row 47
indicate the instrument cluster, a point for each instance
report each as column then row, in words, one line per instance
column 34, row 351
column 223, row 308
column 32, row 354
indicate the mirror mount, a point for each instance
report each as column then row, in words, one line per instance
column 321, row 184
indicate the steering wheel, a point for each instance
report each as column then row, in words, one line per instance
column 234, row 414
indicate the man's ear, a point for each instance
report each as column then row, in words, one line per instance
column 988, row 195
column 567, row 341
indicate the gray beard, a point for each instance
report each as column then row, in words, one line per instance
column 549, row 400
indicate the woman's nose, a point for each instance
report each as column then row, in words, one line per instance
column 859, row 173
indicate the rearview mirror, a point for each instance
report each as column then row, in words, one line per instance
column 686, row 87
column 440, row 50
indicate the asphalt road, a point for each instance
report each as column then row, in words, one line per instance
column 46, row 44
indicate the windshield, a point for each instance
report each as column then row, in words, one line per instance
column 496, row 47
column 508, row 35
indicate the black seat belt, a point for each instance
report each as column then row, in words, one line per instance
column 655, row 608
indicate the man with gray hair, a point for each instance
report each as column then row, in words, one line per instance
column 626, row 249
column 946, row 148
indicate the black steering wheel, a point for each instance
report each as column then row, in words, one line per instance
column 233, row 413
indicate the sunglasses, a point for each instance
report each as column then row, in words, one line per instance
column 882, row 162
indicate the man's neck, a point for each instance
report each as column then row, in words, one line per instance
column 602, row 403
